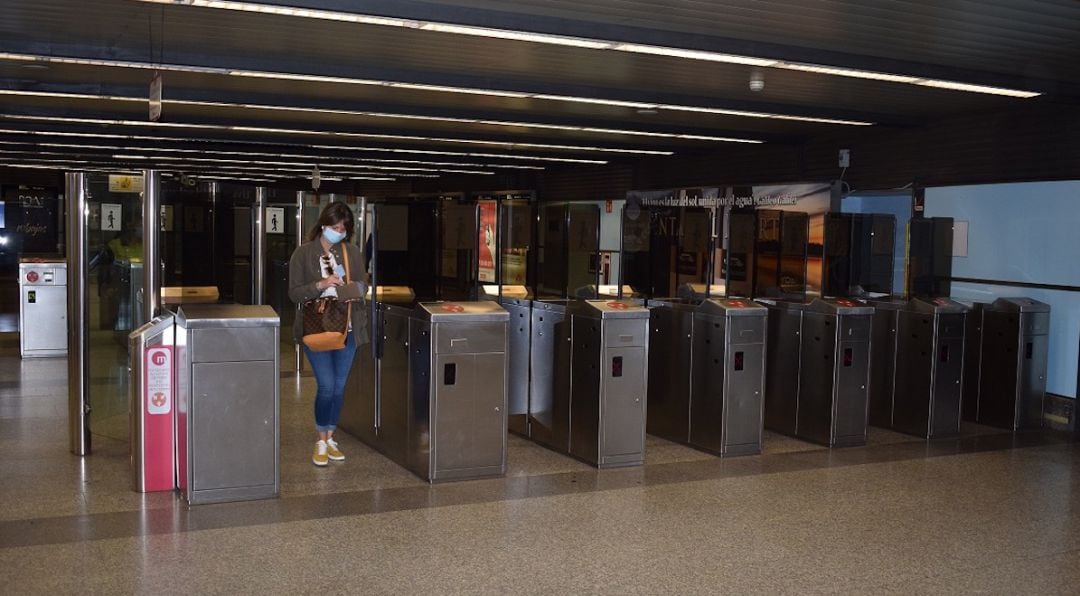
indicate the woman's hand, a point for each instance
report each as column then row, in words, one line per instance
column 327, row 282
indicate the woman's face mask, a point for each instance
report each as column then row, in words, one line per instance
column 331, row 235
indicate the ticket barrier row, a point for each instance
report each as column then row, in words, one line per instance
column 431, row 392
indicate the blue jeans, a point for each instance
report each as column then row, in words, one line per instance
column 331, row 371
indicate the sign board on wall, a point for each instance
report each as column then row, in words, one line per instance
column 275, row 220
column 118, row 183
column 111, row 217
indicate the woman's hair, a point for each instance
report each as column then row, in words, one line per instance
column 334, row 214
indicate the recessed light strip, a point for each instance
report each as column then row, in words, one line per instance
column 441, row 88
column 126, row 137
column 592, row 44
column 329, row 133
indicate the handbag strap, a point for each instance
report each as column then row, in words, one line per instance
column 348, row 277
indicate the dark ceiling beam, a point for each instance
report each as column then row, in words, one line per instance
column 479, row 17
column 284, row 63
column 639, row 124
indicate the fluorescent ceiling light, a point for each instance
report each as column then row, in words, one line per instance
column 489, row 92
column 371, row 114
column 589, row 43
column 159, row 138
column 329, row 133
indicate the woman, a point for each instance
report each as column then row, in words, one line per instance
column 315, row 269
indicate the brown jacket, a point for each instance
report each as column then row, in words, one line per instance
column 305, row 273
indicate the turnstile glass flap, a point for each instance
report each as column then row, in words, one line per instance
column 395, row 294
column 510, row 294
column 783, row 304
column 673, row 303
column 732, row 307
column 841, row 306
column 461, row 311
column 211, row 316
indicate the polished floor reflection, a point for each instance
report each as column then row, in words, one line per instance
column 988, row 512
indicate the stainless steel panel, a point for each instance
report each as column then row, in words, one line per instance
column 972, row 362
column 851, row 395
column 392, row 405
column 469, row 429
column 518, row 348
column 883, row 337
column 855, row 327
column 707, row 389
column 585, row 388
column 948, row 386
column 233, row 432
column 815, row 413
column 914, row 373
column 418, row 409
column 670, row 363
column 206, row 316
column 234, row 345
column 622, row 408
column 43, row 325
column 1036, row 323
column 470, row 337
column 1032, row 390
column 358, row 409
column 782, row 363
column 549, row 383
column 746, row 330
column 627, row 332
column 743, row 394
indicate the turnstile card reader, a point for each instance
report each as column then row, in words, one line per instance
column 609, row 377
column 917, row 373
column 728, row 380
column 823, row 397
column 1012, row 376
column 227, row 418
column 458, row 390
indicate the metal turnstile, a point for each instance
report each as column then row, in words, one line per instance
column 549, row 376
column 228, row 402
column 42, row 307
column 1013, row 363
column 728, row 383
column 818, row 367
column 707, row 374
column 917, row 368
column 609, row 377
column 458, row 391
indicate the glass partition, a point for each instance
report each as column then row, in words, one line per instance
column 516, row 221
column 114, row 294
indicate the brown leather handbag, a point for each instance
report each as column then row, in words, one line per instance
column 326, row 320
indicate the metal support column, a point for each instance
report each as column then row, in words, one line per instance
column 78, row 371
column 258, row 246
column 152, row 263
column 298, row 354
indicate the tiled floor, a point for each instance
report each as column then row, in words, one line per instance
column 986, row 513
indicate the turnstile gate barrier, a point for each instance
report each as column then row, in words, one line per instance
column 707, row 373
column 609, row 376
column 917, row 369
column 228, row 399
column 458, row 390
column 1013, row 363
column 515, row 300
column 818, row 367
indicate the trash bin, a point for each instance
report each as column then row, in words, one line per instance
column 228, row 402
column 457, row 395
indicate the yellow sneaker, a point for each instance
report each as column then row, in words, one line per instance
column 332, row 451
column 319, row 458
